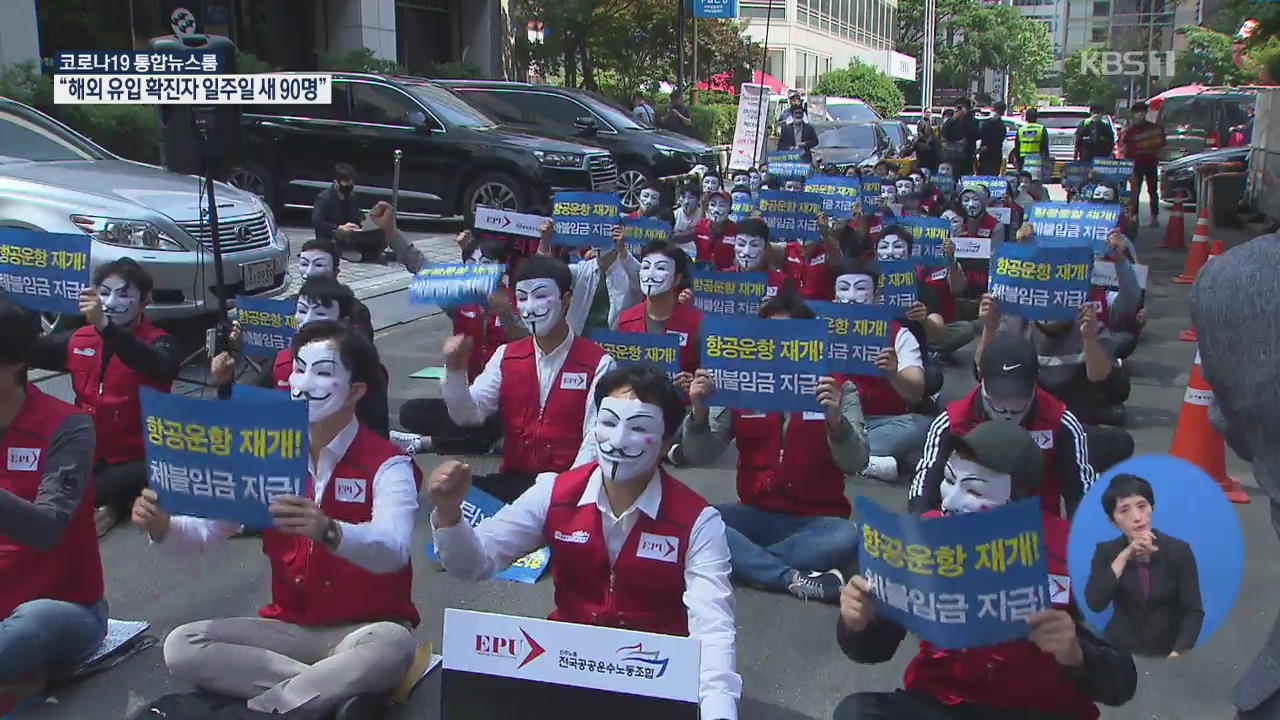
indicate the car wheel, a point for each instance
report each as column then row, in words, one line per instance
column 255, row 179
column 493, row 190
column 630, row 182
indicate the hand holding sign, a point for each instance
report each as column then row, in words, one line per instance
column 857, row 606
column 299, row 516
column 700, row 390
column 830, row 397
column 448, row 485
column 148, row 517
column 1054, row 632
column 91, row 308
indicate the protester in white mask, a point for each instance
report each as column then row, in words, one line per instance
column 793, row 185
column 320, row 258
column 587, row 514
column 715, row 233
column 664, row 273
column 650, row 200
column 710, row 183
column 903, row 186
column 689, row 211
column 749, row 251
column 604, row 283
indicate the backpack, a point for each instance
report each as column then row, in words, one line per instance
column 1099, row 138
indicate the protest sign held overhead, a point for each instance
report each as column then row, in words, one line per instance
column 763, row 365
column 730, row 293
column 1074, row 174
column 476, row 507
column 585, row 219
column 1073, row 223
column 897, row 283
column 1113, row 172
column 790, row 170
column 640, row 231
column 928, row 234
column 629, row 348
column 455, row 284
column 946, row 185
column 870, row 193
column 785, row 156
column 44, row 271
column 267, row 325
column 858, row 334
column 1041, row 283
column 225, row 459
column 996, row 185
column 791, row 215
column 841, row 195
column 507, row 222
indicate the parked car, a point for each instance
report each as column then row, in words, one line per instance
column 899, row 135
column 854, row 144
column 840, row 110
column 642, row 153
column 1177, row 177
column 455, row 157
column 1061, row 124
column 1196, row 119
column 56, row 180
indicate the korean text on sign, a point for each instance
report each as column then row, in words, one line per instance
column 660, row 350
column 957, row 582
column 264, row 89
column 44, row 271
column 858, row 335
column 785, row 156
column 764, row 365
column 1041, row 283
column 479, row 505
column 140, row 62
column 928, row 234
column 946, row 185
column 1113, row 172
column 1072, row 223
column 1036, row 165
column 225, row 460
column 742, row 209
column 730, row 293
column 267, row 325
column 640, row 231
column 870, row 194
column 1074, row 174
column 897, row 287
column 723, row 9
column 790, row 170
column 585, row 219
column 840, row 195
column 996, row 185
column 455, row 284
column 791, row 215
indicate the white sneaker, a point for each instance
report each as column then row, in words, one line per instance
column 884, row 469
column 410, row 443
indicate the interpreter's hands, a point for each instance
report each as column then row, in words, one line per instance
column 989, row 312
column 148, row 517
column 830, row 397
column 447, row 486
column 887, row 361
column 684, row 381
column 1089, row 322
column 1142, row 545
column 91, row 308
column 700, row 389
column 1054, row 632
column 222, row 368
column 384, row 216
column 918, row 312
column 686, row 297
column 456, row 351
column 857, row 606
column 349, row 226
column 299, row 516
column 463, row 239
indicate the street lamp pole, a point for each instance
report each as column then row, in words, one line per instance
column 926, row 64
column 680, row 46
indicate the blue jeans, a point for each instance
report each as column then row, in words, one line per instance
column 767, row 548
column 49, row 636
column 896, row 436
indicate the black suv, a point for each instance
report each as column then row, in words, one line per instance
column 454, row 157
column 643, row 153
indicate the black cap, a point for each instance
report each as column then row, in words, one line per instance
column 1009, row 367
column 1006, row 448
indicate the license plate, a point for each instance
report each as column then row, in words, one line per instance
column 1061, row 140
column 257, row 275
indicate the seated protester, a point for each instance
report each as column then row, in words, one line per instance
column 903, row 186
column 689, row 213
column 812, row 267
column 715, row 233
column 790, row 529
column 1025, row 193
column 321, row 258
column 911, row 204
column 540, row 386
column 935, row 311
column 604, row 284
column 320, row 299
column 1059, row 671
column 756, row 178
column 52, row 611
column 793, row 184
column 752, row 252
column 1104, row 194
column 1007, row 391
column 593, row 518
column 1118, row 310
column 664, row 271
column 893, row 433
column 651, row 205
column 947, row 169
column 338, row 625
column 932, row 203
column 114, row 354
column 977, row 222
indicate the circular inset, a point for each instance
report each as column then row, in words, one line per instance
column 1174, row 539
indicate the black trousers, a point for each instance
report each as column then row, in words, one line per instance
column 989, row 161
column 905, row 705
column 1108, row 446
column 117, row 486
column 1153, row 189
column 431, row 417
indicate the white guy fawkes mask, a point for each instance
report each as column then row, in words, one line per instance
column 628, row 438
column 971, row 203
column 718, row 209
column 904, row 186
column 1024, row 185
column 917, row 182
column 690, row 201
column 793, row 186
column 710, row 184
column 891, row 247
column 315, row 263
column 1011, row 410
column 747, row 251
column 755, row 182
column 741, row 179
column 121, row 302
column 856, row 288
column 649, row 199
column 320, row 378
column 657, row 274
column 538, row 301
column 311, row 309
column 1104, row 194
column 957, row 222
column 946, row 169
column 970, row 487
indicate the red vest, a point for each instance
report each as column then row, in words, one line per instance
column 791, row 473
column 1042, row 422
column 538, row 439
column 1014, row 675
column 715, row 247
column 939, row 280
column 70, row 571
column 486, row 333
column 282, row 368
column 878, row 395
column 684, row 323
column 1098, row 296
column 111, row 398
column 812, row 277
column 644, row 590
column 985, row 226
column 314, row 588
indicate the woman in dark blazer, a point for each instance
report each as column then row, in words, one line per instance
column 1148, row 577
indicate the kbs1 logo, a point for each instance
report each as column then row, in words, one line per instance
column 524, row 649
column 1113, row 62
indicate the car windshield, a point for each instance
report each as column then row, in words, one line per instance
column 894, row 130
column 27, row 136
column 449, row 107
column 1071, row 121
column 847, row 112
column 854, row 136
column 614, row 114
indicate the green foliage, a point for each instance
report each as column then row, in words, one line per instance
column 1207, row 57
column 714, row 124
column 360, row 60
column 456, row 71
column 863, row 82
column 716, row 97
column 1262, row 63
column 1086, row 88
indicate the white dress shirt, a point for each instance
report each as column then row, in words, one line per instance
column 470, row 405
column 908, row 350
column 517, row 529
column 381, row 545
column 622, row 282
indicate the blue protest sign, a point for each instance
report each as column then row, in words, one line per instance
column 1113, row 172
column 858, row 334
column 928, row 234
column 640, row 231
column 477, row 506
column 946, row 185
column 225, row 459
column 1073, row 223
column 840, row 195
column 455, row 284
column 870, row 193
column 764, row 365
column 715, row 8
column 253, row 392
column 585, row 218
column 44, row 271
column 661, row 350
column 742, row 209
column 1074, row 174
column 897, row 283
column 960, row 581
column 996, row 185
column 791, row 215
column 785, row 156
column 730, row 293
column 267, row 325
column 790, row 170
column 1037, row 167
column 1041, row 283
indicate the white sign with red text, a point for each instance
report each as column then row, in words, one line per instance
column 586, row 656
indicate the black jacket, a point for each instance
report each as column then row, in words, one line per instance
column 329, row 211
column 808, row 137
column 1169, row 619
column 991, row 132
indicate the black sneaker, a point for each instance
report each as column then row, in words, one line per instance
column 821, row 586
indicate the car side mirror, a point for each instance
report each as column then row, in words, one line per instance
column 418, row 120
column 586, row 126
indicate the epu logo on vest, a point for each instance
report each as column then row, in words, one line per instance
column 658, row 547
column 23, row 459
column 525, row 649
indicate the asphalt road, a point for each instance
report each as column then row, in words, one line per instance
column 786, row 653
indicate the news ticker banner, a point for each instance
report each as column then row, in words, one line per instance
column 44, row 271
column 476, row 507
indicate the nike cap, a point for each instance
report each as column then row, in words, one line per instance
column 1009, row 367
column 1005, row 448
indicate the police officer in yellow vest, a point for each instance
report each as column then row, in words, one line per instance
column 1032, row 139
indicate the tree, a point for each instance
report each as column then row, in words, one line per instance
column 864, row 82
column 1028, row 51
column 1081, row 86
column 1206, row 59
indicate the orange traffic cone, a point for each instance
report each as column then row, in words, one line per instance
column 1175, row 234
column 1197, row 442
column 1190, row 335
column 1199, row 251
